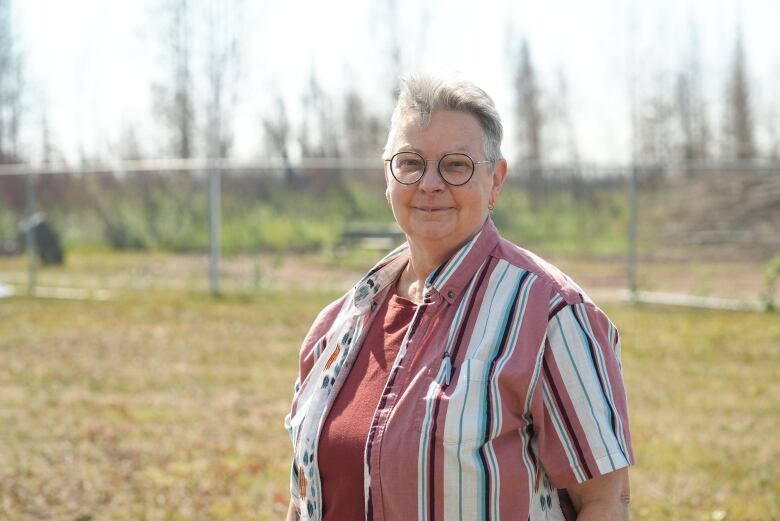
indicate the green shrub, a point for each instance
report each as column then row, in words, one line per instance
column 771, row 276
column 170, row 213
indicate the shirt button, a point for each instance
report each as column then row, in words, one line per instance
column 451, row 294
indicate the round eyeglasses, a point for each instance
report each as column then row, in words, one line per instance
column 455, row 169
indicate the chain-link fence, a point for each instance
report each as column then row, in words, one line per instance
column 704, row 234
column 711, row 231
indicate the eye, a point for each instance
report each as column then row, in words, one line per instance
column 456, row 163
column 408, row 162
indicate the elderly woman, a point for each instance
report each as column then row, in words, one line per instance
column 463, row 377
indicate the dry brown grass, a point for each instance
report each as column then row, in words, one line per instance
column 170, row 407
column 154, row 408
column 705, row 275
column 705, row 404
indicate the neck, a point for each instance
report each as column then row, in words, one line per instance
column 411, row 283
column 422, row 262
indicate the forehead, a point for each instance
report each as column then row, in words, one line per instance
column 443, row 131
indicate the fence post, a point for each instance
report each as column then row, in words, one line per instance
column 29, row 234
column 632, row 232
column 214, row 228
column 215, row 193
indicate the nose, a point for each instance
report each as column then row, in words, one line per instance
column 431, row 180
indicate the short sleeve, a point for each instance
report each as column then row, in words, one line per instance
column 581, row 421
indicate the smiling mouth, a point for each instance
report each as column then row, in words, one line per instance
column 432, row 209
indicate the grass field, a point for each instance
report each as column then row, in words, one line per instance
column 127, row 272
column 169, row 406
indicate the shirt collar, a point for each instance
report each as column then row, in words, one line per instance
column 383, row 273
column 449, row 279
column 452, row 276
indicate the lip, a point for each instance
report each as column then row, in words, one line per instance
column 432, row 209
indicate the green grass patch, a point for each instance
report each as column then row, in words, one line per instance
column 151, row 212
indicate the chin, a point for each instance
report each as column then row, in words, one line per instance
column 433, row 234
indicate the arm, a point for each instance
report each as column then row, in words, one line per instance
column 291, row 515
column 583, row 391
column 604, row 498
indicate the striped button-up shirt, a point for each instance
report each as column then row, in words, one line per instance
column 506, row 390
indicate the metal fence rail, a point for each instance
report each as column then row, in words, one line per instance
column 718, row 207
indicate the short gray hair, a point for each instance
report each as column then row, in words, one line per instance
column 422, row 95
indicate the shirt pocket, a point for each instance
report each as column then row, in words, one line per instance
column 468, row 412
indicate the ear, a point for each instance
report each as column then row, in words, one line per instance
column 499, row 176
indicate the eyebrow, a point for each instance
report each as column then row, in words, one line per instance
column 456, row 150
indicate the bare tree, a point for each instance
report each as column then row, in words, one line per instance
column 655, row 121
column 394, row 43
column 129, row 146
column 11, row 86
column 224, row 54
column 773, row 131
column 318, row 136
column 14, row 191
column 691, row 144
column 690, row 106
column 363, row 133
column 529, row 113
column 405, row 37
column 739, row 132
column 47, row 149
column 529, row 117
column 277, row 139
column 201, row 48
column 561, row 134
column 174, row 99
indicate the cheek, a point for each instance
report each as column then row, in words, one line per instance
column 395, row 199
column 475, row 200
column 398, row 192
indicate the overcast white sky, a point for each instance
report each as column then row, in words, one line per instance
column 91, row 63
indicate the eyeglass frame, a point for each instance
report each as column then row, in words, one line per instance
column 438, row 166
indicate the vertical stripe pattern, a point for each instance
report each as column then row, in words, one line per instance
column 507, row 388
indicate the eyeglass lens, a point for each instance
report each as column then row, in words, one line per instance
column 408, row 168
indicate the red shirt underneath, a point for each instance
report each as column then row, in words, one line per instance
column 345, row 431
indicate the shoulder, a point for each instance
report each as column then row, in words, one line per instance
column 333, row 309
column 327, row 317
column 322, row 324
column 562, row 289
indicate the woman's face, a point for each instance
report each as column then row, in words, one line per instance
column 433, row 214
